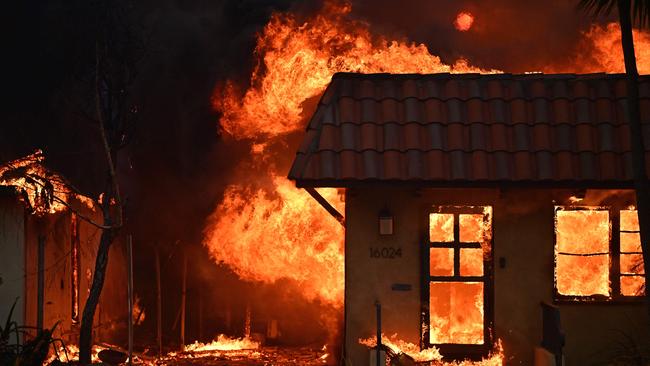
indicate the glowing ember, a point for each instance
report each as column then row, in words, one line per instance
column 582, row 251
column 223, row 343
column 441, row 227
column 71, row 353
column 398, row 346
column 138, row 312
column 464, row 21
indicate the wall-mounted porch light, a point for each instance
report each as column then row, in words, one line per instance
column 385, row 222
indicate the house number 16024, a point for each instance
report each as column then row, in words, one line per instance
column 385, row 252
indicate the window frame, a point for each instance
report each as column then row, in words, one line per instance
column 614, row 274
column 458, row 350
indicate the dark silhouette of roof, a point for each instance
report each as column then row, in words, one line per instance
column 480, row 130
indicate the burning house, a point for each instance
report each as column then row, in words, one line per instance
column 47, row 254
column 470, row 199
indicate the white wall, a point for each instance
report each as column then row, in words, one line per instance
column 12, row 257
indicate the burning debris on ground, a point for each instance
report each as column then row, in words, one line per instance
column 310, row 182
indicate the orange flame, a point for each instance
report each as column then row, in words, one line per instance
column 397, row 346
column 582, row 252
column 265, row 238
column 631, row 260
column 44, row 191
column 601, row 51
column 456, row 308
column 296, row 62
column 608, row 49
column 71, row 353
column 223, row 343
column 268, row 236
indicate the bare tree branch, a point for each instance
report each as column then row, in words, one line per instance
column 102, row 129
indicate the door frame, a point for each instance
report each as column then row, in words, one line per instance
column 457, row 351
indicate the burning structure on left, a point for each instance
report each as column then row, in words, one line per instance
column 47, row 254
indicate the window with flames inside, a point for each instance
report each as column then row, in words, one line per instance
column 459, row 266
column 597, row 254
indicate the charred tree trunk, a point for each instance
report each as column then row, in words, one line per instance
column 636, row 135
column 86, row 330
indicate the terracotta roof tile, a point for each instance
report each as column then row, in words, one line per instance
column 471, row 128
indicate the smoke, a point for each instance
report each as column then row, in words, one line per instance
column 514, row 36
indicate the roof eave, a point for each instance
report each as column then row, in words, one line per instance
column 549, row 184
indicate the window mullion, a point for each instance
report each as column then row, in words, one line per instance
column 615, row 250
column 456, row 246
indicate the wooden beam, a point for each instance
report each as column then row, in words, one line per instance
column 326, row 205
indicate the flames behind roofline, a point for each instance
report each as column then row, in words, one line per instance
column 295, row 63
column 44, row 191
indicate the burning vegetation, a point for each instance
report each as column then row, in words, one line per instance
column 45, row 192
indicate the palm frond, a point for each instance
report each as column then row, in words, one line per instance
column 597, row 7
column 640, row 9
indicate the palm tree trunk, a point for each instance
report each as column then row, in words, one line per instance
column 636, row 135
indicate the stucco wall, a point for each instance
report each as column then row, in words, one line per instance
column 12, row 257
column 523, row 237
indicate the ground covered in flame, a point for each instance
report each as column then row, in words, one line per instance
column 284, row 356
column 398, row 346
column 221, row 352
column 223, row 343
